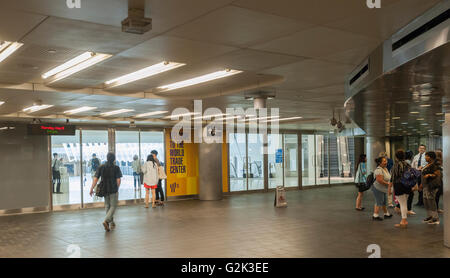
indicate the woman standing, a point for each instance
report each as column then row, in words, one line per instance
column 431, row 180
column 401, row 191
column 360, row 179
column 381, row 187
column 150, row 170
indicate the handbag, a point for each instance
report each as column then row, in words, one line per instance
column 100, row 188
column 161, row 173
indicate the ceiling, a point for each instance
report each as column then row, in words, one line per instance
column 410, row 100
column 302, row 50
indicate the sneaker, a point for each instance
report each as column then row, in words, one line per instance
column 388, row 216
column 411, row 212
column 106, row 226
column 434, row 222
column 377, row 218
column 428, row 219
column 112, row 225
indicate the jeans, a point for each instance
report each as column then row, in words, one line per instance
column 137, row 179
column 380, row 197
column 111, row 202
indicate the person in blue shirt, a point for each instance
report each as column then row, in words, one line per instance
column 360, row 178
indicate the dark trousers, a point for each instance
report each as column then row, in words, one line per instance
column 57, row 180
column 420, row 199
column 438, row 195
column 159, row 192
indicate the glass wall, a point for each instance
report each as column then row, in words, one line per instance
column 308, row 160
column 68, row 176
column 238, row 161
column 291, row 160
column 127, row 151
column 255, row 162
column 322, row 159
column 75, row 176
column 275, row 158
column 95, row 149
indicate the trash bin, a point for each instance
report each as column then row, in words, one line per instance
column 280, row 197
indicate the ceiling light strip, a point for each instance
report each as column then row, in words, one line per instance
column 77, row 64
column 8, row 48
column 143, row 73
column 79, row 110
column 150, row 114
column 36, row 108
column 199, row 79
column 115, row 112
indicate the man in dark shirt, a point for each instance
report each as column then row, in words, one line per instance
column 111, row 175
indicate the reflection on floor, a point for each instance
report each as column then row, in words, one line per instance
column 71, row 191
column 317, row 223
column 239, row 184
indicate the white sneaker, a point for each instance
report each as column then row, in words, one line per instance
column 411, row 212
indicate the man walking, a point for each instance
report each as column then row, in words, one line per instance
column 56, row 174
column 110, row 175
column 418, row 163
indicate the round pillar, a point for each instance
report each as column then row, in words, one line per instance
column 210, row 171
column 374, row 145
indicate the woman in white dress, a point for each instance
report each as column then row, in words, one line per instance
column 150, row 171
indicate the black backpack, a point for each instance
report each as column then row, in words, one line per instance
column 370, row 180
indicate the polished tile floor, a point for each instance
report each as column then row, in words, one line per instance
column 318, row 222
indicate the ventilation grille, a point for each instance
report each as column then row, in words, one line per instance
column 422, row 30
column 362, row 72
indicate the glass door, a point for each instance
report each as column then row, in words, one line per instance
column 94, row 151
column 255, row 162
column 237, row 161
column 275, row 159
column 152, row 140
column 291, row 160
column 66, row 171
column 127, row 157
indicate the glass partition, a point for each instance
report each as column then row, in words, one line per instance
column 152, row 140
column 322, row 159
column 255, row 162
column 95, row 149
column 237, row 161
column 275, row 158
column 127, row 152
column 308, row 160
column 291, row 160
column 66, row 176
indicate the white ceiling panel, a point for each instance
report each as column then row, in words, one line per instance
column 16, row 24
column 311, row 11
column 237, row 27
column 318, row 42
column 166, row 48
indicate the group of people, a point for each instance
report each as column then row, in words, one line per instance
column 110, row 175
column 394, row 183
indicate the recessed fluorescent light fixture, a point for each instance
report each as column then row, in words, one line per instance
column 285, row 119
column 2, row 102
column 210, row 116
column 424, row 124
column 395, row 118
column 74, row 65
column 150, row 114
column 182, row 115
column 414, row 112
column 425, row 105
column 143, row 73
column 200, row 79
column 8, row 48
column 36, row 108
column 420, row 119
column 439, row 114
column 404, row 123
column 115, row 112
column 79, row 110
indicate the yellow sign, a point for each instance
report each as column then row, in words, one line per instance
column 181, row 167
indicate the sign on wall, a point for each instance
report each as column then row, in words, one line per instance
column 181, row 168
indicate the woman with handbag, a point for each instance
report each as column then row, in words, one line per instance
column 431, row 180
column 360, row 180
column 150, row 171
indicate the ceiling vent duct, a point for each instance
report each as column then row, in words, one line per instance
column 136, row 22
column 429, row 31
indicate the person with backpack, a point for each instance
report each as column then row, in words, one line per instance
column 360, row 180
column 151, row 178
column 110, row 178
column 431, row 181
column 402, row 181
column 381, row 187
column 408, row 159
